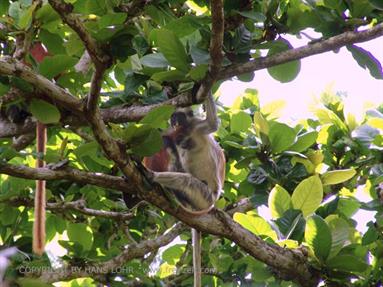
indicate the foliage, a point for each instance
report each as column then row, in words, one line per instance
column 306, row 174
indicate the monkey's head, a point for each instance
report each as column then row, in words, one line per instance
column 181, row 118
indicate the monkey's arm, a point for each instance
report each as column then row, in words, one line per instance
column 211, row 123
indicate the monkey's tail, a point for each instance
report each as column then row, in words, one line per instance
column 196, row 239
column 39, row 214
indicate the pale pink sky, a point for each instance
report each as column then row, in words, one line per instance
column 317, row 72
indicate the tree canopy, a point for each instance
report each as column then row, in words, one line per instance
column 105, row 76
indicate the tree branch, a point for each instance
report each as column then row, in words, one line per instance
column 216, row 55
column 78, row 205
column 327, row 45
column 10, row 67
column 74, row 175
column 98, row 56
column 135, row 250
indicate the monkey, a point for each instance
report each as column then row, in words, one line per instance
column 38, row 244
column 192, row 165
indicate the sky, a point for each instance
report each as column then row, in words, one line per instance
column 338, row 70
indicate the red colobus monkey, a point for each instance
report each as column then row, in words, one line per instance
column 192, row 165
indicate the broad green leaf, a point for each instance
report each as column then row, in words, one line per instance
column 54, row 65
column 273, row 109
column 340, row 233
column 172, row 254
column 199, row 72
column 308, row 195
column 156, row 60
column 318, row 237
column 4, row 89
column 172, row 48
column 326, row 116
column 378, row 4
column 240, row 122
column 261, row 124
column 255, row 224
column 367, row 61
column 26, row 17
column 80, row 233
column 348, row 206
column 279, row 201
column 304, row 141
column 371, row 235
column 291, row 224
column 166, row 270
column 158, row 116
column 253, row 15
column 148, row 144
column 337, row 176
column 183, row 26
column 281, row 137
column 53, row 42
column 348, row 263
column 111, row 19
column 44, row 112
column 283, row 72
column 172, row 75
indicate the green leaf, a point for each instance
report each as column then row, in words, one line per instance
column 156, row 60
column 172, row 49
column 183, row 26
column 283, row 72
column 111, row 19
column 173, row 253
column 255, row 224
column 340, row 233
column 318, row 237
column 150, row 144
column 308, row 195
column 44, row 112
column 281, row 137
column 240, row 122
column 279, row 201
column 378, row 4
column 326, row 116
column 337, row 176
column 54, row 65
column 158, row 116
column 53, row 42
column 371, row 235
column 199, row 72
column 26, row 17
column 253, row 15
column 367, row 61
column 81, row 234
column 304, row 141
column 348, row 263
column 172, row 75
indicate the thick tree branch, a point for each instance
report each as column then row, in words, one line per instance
column 78, row 205
column 98, row 56
column 74, row 175
column 10, row 67
column 135, row 250
column 327, row 45
column 216, row 54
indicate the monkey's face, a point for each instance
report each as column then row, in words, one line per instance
column 181, row 118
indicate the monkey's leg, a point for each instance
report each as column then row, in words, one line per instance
column 193, row 191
